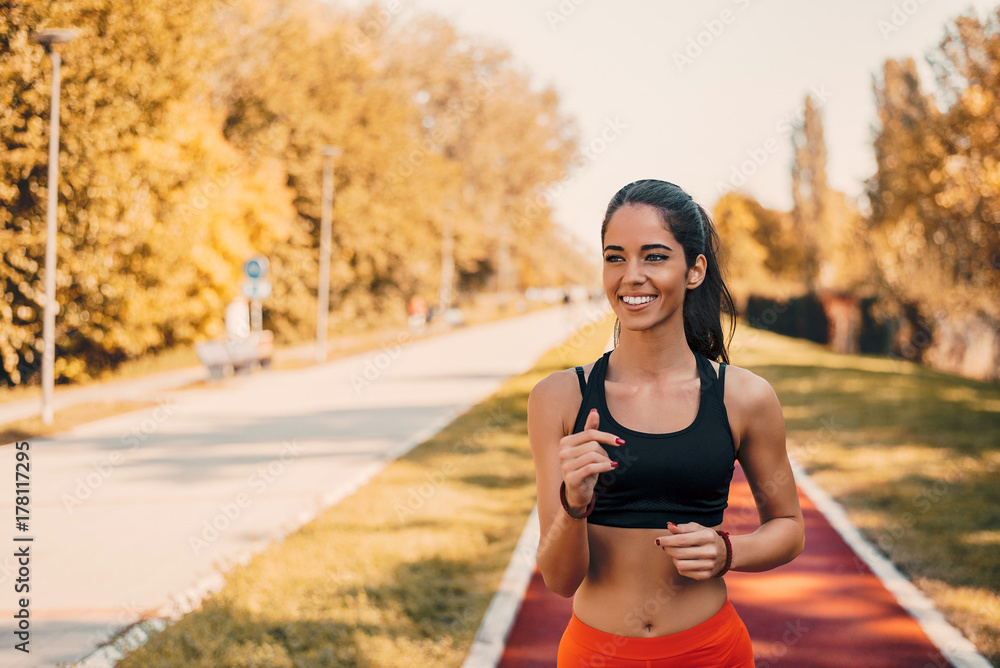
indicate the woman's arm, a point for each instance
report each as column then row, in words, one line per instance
column 762, row 454
column 563, row 550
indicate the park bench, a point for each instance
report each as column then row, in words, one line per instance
column 237, row 354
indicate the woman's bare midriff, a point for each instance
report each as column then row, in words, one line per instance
column 632, row 588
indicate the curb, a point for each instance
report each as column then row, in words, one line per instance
column 491, row 638
column 948, row 639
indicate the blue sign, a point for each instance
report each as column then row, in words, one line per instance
column 256, row 267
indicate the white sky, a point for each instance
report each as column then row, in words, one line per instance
column 697, row 123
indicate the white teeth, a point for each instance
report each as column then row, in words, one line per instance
column 638, row 300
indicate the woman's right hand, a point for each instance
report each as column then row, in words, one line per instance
column 583, row 459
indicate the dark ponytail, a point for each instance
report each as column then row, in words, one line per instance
column 693, row 228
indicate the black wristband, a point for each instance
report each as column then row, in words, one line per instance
column 569, row 511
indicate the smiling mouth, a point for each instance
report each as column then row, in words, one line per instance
column 637, row 301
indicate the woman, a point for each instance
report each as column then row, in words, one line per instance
column 633, row 481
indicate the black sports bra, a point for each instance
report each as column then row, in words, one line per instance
column 678, row 477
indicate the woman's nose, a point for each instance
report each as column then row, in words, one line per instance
column 634, row 272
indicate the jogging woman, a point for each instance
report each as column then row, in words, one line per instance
column 634, row 477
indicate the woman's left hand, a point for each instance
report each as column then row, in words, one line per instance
column 697, row 551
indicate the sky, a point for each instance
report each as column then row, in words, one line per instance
column 704, row 93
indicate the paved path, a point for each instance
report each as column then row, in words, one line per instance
column 129, row 512
column 826, row 609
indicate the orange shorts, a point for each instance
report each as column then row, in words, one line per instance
column 721, row 641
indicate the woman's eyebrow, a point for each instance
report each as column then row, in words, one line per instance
column 644, row 247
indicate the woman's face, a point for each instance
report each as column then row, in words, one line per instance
column 645, row 273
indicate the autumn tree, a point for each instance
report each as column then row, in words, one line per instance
column 508, row 142
column 935, row 198
column 193, row 136
column 136, row 145
column 810, row 191
column 760, row 253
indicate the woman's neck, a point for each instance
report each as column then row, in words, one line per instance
column 659, row 352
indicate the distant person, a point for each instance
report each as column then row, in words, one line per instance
column 633, row 481
column 417, row 311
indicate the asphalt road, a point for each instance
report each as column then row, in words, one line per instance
column 141, row 512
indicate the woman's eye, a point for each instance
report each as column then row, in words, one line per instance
column 656, row 257
column 612, row 258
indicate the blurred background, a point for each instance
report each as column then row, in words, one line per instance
column 849, row 154
column 362, row 174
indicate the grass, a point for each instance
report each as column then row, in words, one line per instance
column 398, row 574
column 914, row 457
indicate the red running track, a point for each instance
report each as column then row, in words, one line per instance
column 826, row 609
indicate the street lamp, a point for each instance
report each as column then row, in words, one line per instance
column 48, row 39
column 447, row 258
column 323, row 294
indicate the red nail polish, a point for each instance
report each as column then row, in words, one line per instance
column 620, row 441
column 657, row 541
column 614, row 465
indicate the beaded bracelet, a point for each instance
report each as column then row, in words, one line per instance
column 569, row 511
column 729, row 553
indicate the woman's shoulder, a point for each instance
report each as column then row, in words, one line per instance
column 746, row 391
column 559, row 393
column 564, row 383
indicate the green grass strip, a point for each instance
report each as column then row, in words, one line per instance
column 398, row 574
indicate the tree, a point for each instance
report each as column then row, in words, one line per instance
column 139, row 151
column 810, row 193
column 192, row 139
column 935, row 202
column 760, row 254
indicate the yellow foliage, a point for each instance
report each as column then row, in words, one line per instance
column 192, row 138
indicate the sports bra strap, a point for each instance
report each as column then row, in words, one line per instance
column 720, row 387
column 583, row 383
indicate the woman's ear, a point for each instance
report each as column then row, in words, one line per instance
column 696, row 272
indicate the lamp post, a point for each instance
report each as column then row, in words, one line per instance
column 447, row 258
column 323, row 293
column 48, row 39
column 504, row 264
